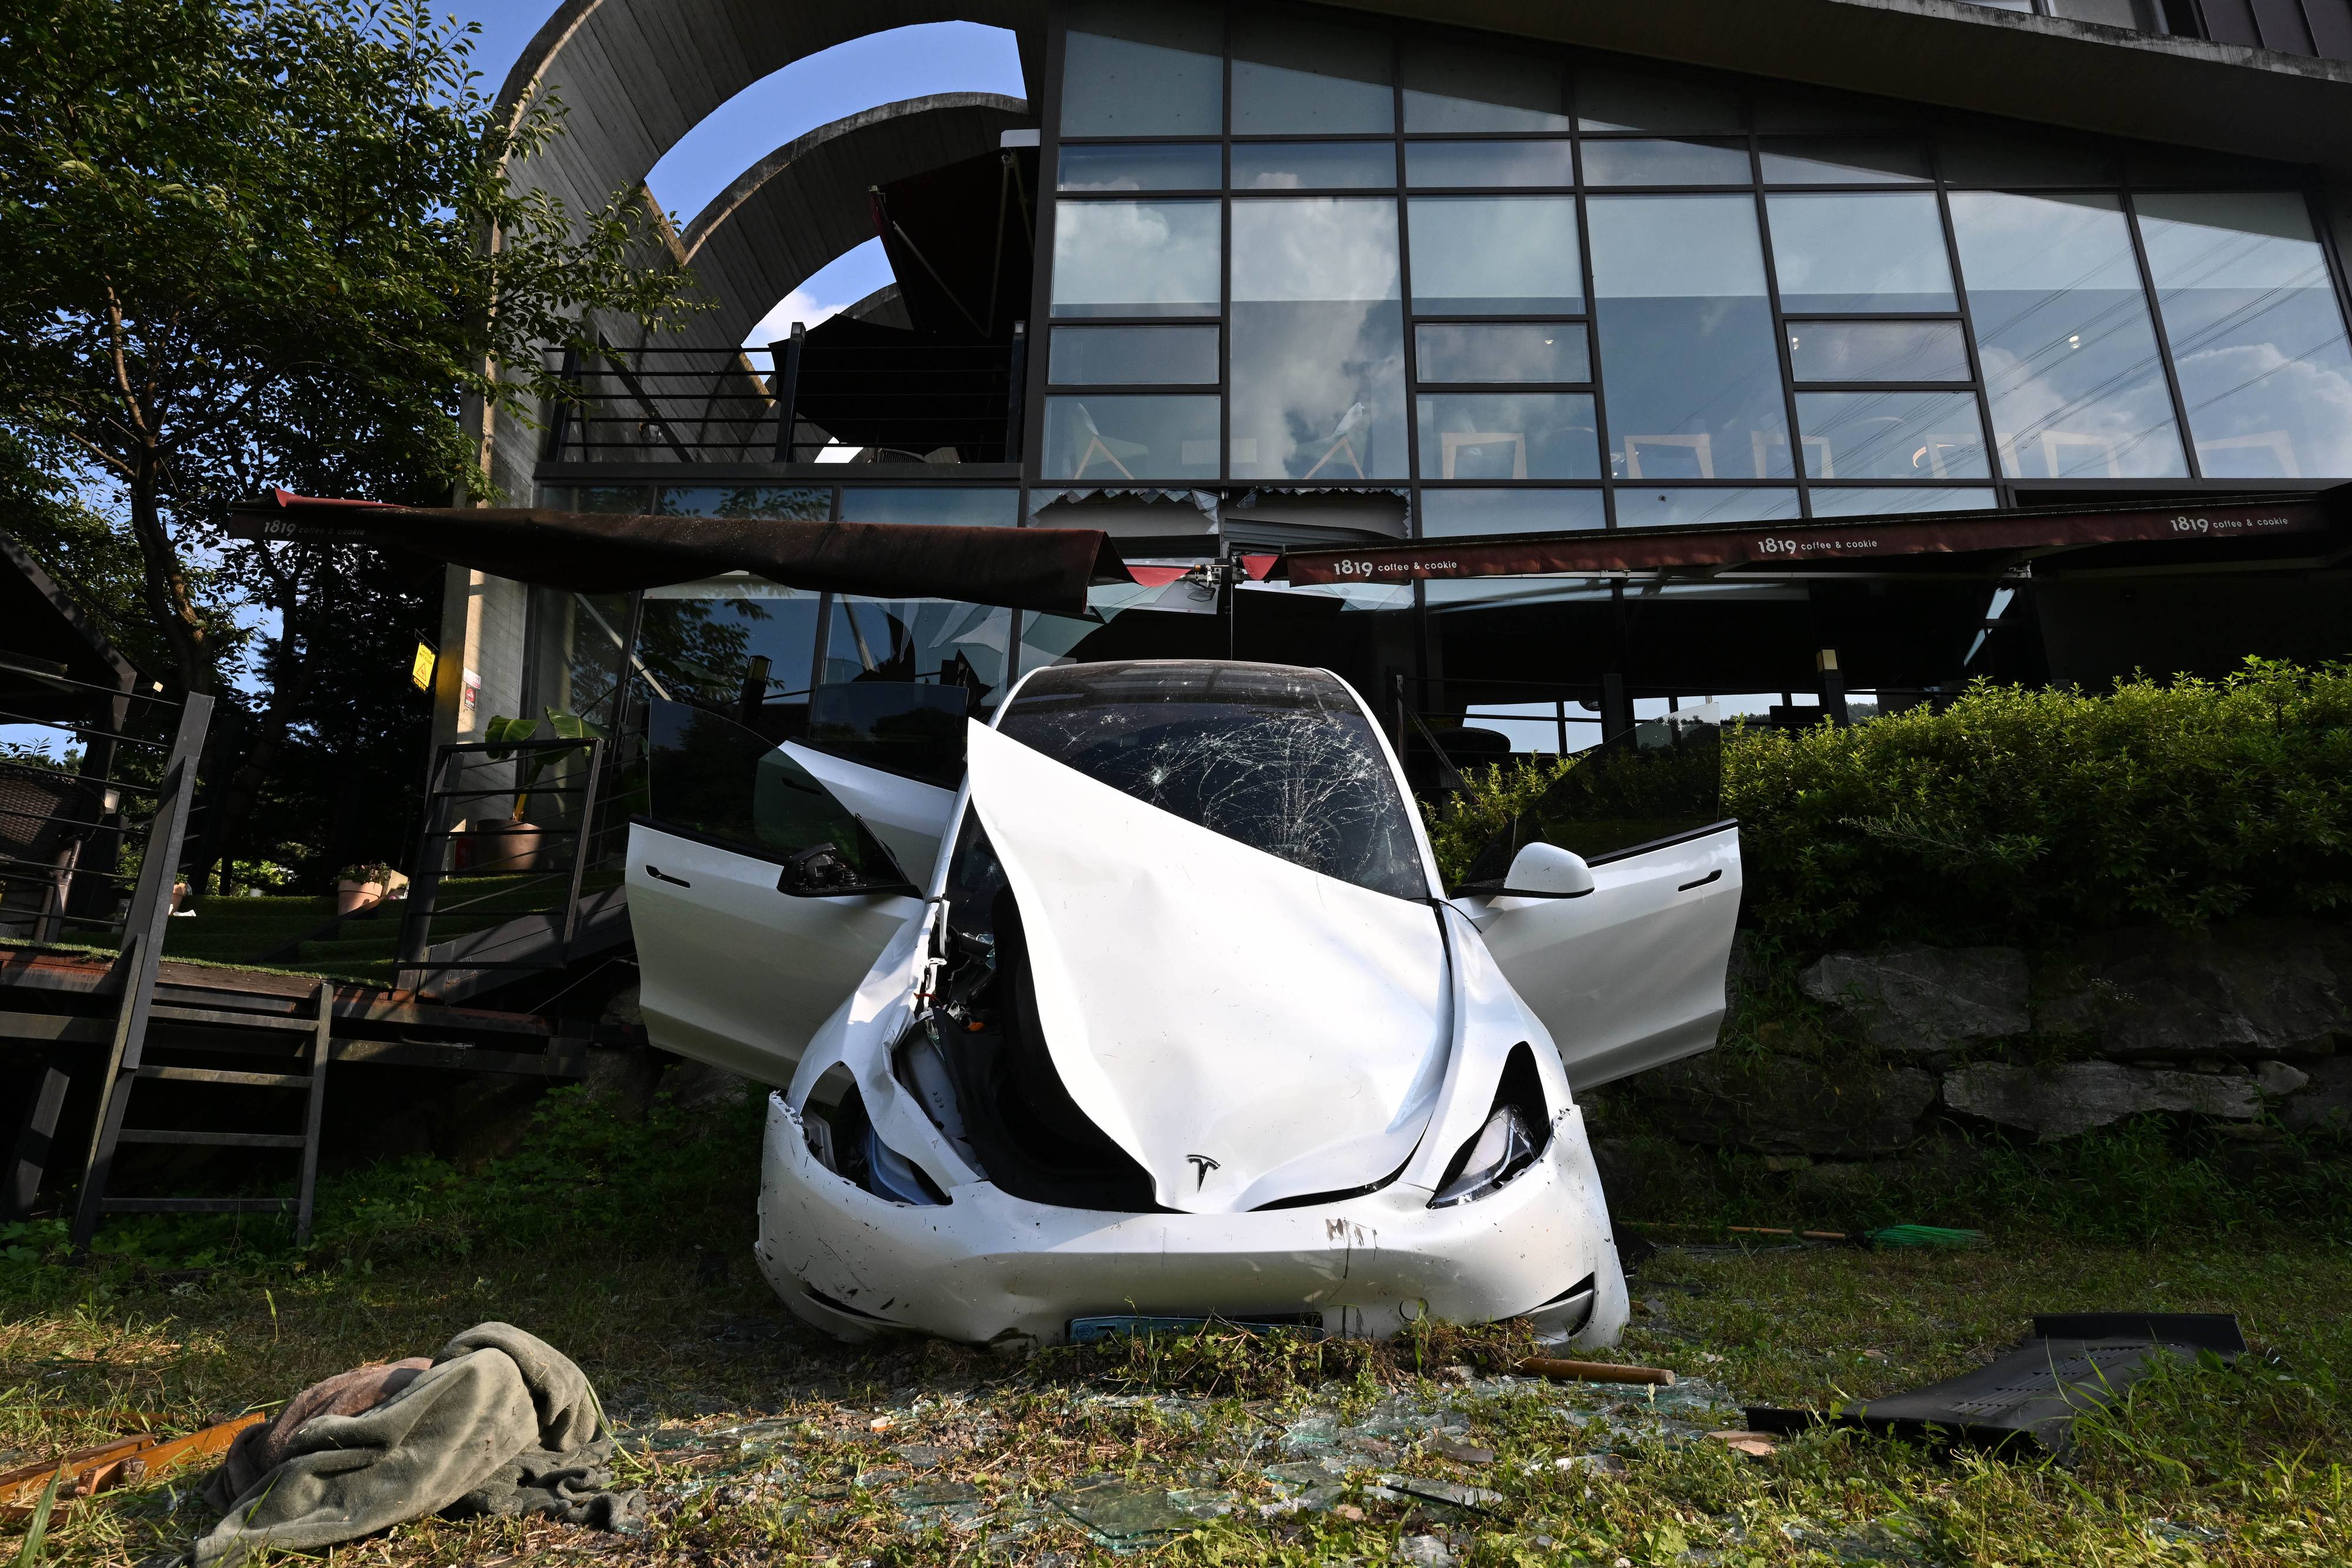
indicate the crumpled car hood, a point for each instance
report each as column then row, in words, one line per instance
column 1249, row 1030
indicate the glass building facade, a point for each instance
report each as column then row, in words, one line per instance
column 1305, row 276
column 1544, row 291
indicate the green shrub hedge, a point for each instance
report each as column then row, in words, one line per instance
column 2024, row 816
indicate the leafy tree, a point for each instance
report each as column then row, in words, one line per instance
column 245, row 242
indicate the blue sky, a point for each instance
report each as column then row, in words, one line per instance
column 907, row 62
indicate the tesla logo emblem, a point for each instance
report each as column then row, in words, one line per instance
column 1201, row 1165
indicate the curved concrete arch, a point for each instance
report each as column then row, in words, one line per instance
column 634, row 75
column 805, row 204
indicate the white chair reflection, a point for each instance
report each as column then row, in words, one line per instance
column 2276, row 441
column 1343, row 438
column 2053, row 442
column 1759, row 444
column 1110, row 448
column 1451, row 444
column 1701, row 446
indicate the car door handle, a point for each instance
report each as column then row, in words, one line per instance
column 654, row 871
column 1715, row 875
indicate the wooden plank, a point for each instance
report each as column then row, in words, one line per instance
column 409, row 1053
column 222, row 1075
column 214, row 1140
column 196, row 1205
column 220, row 1016
column 55, row 1026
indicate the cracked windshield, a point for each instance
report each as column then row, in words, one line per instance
column 1279, row 759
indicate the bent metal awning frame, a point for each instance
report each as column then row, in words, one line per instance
column 607, row 552
column 1981, row 540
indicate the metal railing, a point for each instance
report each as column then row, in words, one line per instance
column 63, row 835
column 493, row 892
column 911, row 403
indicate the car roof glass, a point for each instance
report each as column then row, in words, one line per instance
column 1279, row 759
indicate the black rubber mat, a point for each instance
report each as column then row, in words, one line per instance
column 2075, row 1362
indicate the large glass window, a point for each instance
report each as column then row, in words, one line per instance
column 1508, row 436
column 1891, row 435
column 1712, row 507
column 1134, row 71
column 1623, row 100
column 719, row 641
column 1495, row 255
column 1116, row 437
column 1709, row 299
column 1314, row 165
column 1469, row 513
column 1319, row 340
column 1501, row 351
column 1665, row 164
column 2062, row 331
column 939, row 506
column 907, row 639
column 1686, row 340
column 1150, row 166
column 798, row 502
column 1893, row 501
column 1293, row 77
column 1135, row 258
column 1450, row 87
column 1878, row 351
column 1842, row 160
column 1858, row 252
column 1134, row 356
column 1441, row 163
column 2265, row 372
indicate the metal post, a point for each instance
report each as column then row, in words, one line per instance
column 424, row 882
column 1616, row 708
column 596, row 749
column 1559, row 717
column 1833, row 683
column 1015, row 382
column 784, row 381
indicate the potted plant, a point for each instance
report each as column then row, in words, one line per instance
column 357, row 886
column 517, row 844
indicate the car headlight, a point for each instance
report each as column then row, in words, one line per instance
column 1503, row 1148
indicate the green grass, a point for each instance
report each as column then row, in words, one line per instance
column 589, row 1237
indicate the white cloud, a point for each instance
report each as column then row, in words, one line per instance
column 798, row 306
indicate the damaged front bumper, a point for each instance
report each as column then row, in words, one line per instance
column 989, row 1267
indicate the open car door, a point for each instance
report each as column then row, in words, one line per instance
column 763, row 880
column 1610, row 904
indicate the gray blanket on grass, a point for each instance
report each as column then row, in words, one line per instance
column 499, row 1423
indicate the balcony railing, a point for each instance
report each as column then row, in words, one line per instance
column 793, row 403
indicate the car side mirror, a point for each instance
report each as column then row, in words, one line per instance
column 1543, row 869
column 1538, row 871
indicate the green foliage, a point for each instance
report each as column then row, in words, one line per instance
column 582, row 1180
column 1497, row 793
column 241, row 244
column 2024, row 817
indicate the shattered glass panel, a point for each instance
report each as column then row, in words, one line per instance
column 1280, row 759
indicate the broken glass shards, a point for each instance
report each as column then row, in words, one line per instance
column 1120, row 1513
column 1280, row 759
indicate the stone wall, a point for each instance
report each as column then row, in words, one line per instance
column 1909, row 1062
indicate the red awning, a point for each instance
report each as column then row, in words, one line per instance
column 1861, row 540
column 607, row 552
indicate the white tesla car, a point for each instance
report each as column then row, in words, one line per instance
column 1146, row 1001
